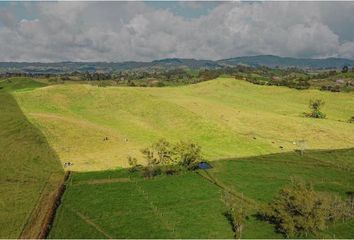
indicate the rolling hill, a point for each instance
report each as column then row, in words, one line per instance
column 227, row 117
column 96, row 128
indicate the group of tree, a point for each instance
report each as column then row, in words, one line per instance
column 164, row 156
column 143, row 77
column 300, row 211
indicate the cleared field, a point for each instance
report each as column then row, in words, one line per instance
column 228, row 117
column 185, row 206
column 29, row 168
column 118, row 204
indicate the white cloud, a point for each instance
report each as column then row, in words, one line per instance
column 121, row 31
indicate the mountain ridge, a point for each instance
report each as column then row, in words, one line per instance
column 271, row 61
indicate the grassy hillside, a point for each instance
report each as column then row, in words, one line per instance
column 228, row 117
column 28, row 165
column 119, row 204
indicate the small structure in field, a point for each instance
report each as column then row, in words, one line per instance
column 204, row 165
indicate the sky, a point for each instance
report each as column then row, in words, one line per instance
column 145, row 31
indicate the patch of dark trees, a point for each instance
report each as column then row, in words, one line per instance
column 290, row 77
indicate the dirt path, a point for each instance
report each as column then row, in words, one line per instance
column 42, row 216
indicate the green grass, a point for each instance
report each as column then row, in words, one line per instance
column 227, row 117
column 190, row 205
column 184, row 206
column 28, row 165
column 20, row 84
column 42, row 125
column 259, row 178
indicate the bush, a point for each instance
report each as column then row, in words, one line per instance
column 315, row 106
column 164, row 153
column 351, row 120
column 298, row 210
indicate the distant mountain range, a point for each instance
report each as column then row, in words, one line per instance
column 173, row 63
column 285, row 62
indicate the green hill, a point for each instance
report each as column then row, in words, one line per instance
column 228, row 117
column 30, row 169
column 43, row 126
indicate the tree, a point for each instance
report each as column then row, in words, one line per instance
column 298, row 210
column 133, row 163
column 188, row 154
column 236, row 214
column 159, row 153
column 315, row 106
column 345, row 69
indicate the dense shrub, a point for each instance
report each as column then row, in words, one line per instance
column 172, row 157
column 298, row 210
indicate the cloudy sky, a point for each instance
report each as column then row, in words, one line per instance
column 143, row 31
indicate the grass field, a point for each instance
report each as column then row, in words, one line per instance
column 118, row 204
column 43, row 126
column 227, row 117
column 258, row 179
column 29, row 166
column 184, row 206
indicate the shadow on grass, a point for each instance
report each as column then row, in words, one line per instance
column 338, row 158
column 30, row 171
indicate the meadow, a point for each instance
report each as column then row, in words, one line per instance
column 227, row 117
column 255, row 128
column 120, row 204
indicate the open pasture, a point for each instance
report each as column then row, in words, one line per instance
column 96, row 128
